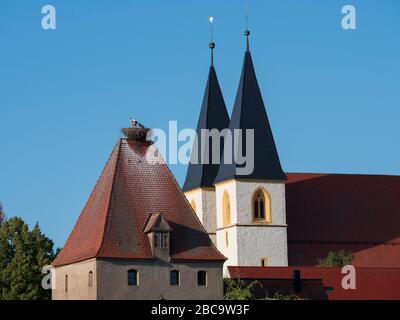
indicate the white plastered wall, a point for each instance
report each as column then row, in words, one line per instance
column 204, row 200
column 250, row 242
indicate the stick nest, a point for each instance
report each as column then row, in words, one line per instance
column 138, row 134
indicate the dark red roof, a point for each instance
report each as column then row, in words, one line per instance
column 129, row 190
column 329, row 212
column 371, row 283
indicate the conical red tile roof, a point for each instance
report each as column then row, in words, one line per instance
column 130, row 189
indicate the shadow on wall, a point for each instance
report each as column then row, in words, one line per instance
column 184, row 238
column 271, row 288
column 331, row 212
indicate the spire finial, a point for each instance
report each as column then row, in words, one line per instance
column 211, row 45
column 247, row 32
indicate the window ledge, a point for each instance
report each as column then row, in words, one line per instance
column 253, row 224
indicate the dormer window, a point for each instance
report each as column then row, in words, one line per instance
column 161, row 240
column 158, row 230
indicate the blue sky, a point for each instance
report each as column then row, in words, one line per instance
column 332, row 95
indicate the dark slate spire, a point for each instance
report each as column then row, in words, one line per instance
column 249, row 113
column 213, row 115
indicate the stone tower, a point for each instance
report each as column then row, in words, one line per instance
column 250, row 207
column 137, row 237
column 198, row 186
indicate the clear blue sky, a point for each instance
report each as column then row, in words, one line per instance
column 333, row 96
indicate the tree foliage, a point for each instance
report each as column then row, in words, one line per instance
column 23, row 253
column 279, row 296
column 238, row 289
column 337, row 259
column 2, row 215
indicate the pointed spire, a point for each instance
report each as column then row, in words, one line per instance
column 213, row 115
column 249, row 113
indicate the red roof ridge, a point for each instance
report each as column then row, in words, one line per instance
column 342, row 174
column 307, row 267
column 118, row 144
column 56, row 261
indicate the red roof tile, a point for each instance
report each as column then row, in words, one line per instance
column 329, row 212
column 371, row 283
column 129, row 190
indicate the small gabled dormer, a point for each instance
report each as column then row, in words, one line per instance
column 158, row 230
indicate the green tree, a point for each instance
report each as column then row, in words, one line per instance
column 279, row 296
column 23, row 253
column 238, row 289
column 2, row 215
column 337, row 259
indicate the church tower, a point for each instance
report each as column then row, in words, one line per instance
column 198, row 186
column 251, row 209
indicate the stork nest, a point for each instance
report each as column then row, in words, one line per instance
column 138, row 134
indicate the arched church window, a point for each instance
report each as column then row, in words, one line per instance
column 90, row 280
column 193, row 204
column 261, row 206
column 226, row 210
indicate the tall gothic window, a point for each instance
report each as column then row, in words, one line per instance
column 226, row 210
column 261, row 206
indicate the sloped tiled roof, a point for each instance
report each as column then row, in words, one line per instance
column 353, row 212
column 371, row 283
column 249, row 113
column 135, row 184
column 213, row 115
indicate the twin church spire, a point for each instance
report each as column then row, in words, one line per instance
column 213, row 115
column 248, row 113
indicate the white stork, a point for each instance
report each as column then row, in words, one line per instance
column 135, row 123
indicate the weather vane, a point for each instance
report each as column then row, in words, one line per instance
column 211, row 19
column 247, row 32
column 247, row 17
column 211, row 45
